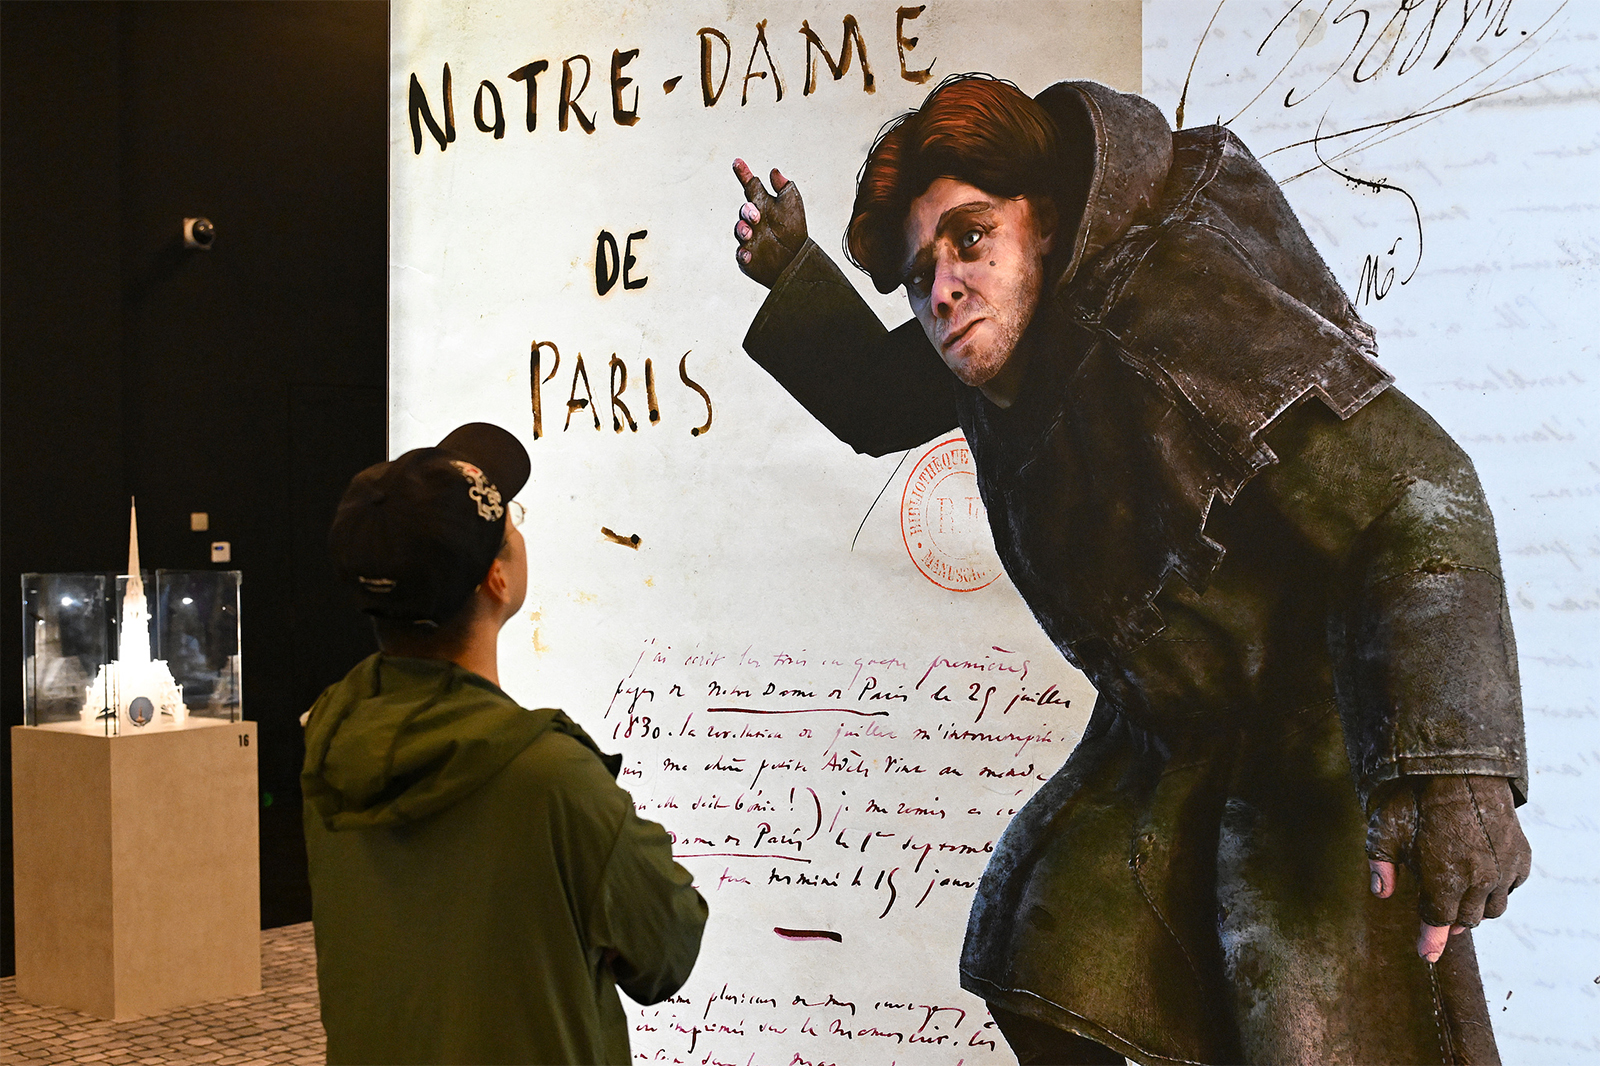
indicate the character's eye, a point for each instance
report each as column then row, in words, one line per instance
column 969, row 238
column 917, row 285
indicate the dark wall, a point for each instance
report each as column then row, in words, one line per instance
column 247, row 381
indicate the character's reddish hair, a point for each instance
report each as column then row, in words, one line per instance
column 972, row 127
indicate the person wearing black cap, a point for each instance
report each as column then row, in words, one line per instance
column 481, row 886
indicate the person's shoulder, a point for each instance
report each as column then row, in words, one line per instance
column 557, row 751
column 1391, row 428
column 564, row 767
column 1336, row 476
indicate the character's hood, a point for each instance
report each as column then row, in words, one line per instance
column 400, row 739
column 1192, row 313
column 1129, row 168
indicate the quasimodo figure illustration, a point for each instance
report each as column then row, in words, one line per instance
column 1278, row 572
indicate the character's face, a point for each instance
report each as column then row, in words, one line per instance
column 974, row 266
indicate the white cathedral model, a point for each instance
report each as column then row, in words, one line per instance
column 134, row 688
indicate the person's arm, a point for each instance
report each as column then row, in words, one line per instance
column 642, row 911
column 876, row 389
column 1424, row 659
column 648, row 916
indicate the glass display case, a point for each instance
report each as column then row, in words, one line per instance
column 115, row 653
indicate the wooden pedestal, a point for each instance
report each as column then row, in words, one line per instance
column 137, row 869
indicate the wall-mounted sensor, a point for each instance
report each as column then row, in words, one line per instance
column 221, row 551
column 199, row 233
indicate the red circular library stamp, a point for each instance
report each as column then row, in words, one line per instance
column 943, row 522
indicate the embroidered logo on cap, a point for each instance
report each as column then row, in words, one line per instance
column 482, row 491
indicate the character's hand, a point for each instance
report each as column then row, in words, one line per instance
column 771, row 227
column 1460, row 836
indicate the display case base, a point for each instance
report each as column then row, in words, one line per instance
column 136, row 864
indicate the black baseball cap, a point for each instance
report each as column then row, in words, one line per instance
column 414, row 536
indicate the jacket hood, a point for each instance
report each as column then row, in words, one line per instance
column 1128, row 170
column 399, row 739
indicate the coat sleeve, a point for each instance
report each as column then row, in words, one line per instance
column 648, row 912
column 876, row 389
column 1425, row 667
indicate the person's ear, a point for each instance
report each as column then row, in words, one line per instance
column 1047, row 219
column 496, row 584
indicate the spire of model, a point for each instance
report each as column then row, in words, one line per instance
column 134, row 688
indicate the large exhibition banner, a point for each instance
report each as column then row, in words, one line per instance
column 821, row 680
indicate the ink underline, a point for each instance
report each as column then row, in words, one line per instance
column 798, row 710
column 737, row 855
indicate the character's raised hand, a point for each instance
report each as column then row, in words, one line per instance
column 771, row 226
column 1459, row 835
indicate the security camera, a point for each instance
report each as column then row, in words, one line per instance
column 199, row 233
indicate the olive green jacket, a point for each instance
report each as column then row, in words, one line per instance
column 480, row 884
column 1280, row 575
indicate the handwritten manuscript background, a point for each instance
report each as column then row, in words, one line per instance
column 820, row 680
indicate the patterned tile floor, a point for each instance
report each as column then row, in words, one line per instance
column 279, row 1026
